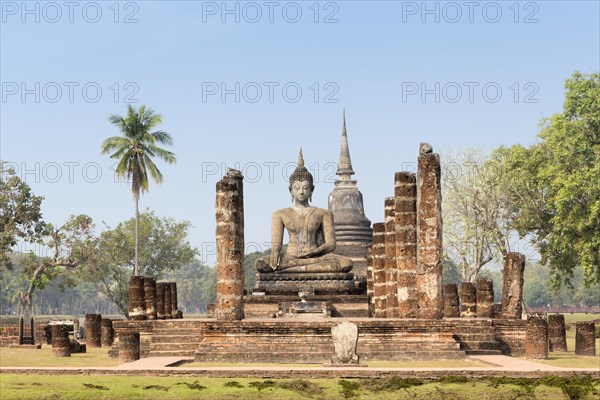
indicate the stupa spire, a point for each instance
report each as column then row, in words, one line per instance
column 344, row 168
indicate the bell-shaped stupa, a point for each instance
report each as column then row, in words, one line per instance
column 352, row 228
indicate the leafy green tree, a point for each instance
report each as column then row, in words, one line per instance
column 135, row 150
column 553, row 187
column 163, row 247
column 20, row 215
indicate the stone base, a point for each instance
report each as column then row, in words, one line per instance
column 303, row 309
column 268, row 306
column 292, row 283
column 295, row 340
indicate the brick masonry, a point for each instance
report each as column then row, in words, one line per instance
column 285, row 340
column 429, row 234
column 405, row 215
column 390, row 259
column 230, row 247
column 512, row 288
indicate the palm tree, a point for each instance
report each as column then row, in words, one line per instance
column 135, row 150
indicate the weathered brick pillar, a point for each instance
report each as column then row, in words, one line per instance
column 160, row 300
column 93, row 330
column 585, row 341
column 429, row 234
column 391, row 302
column 467, row 294
column 379, row 283
column 230, row 247
column 451, row 307
column 485, row 298
column 167, row 301
column 61, row 345
column 21, row 330
column 129, row 346
column 557, row 333
column 405, row 193
column 137, row 304
column 107, row 332
column 370, row 280
column 512, row 288
column 150, row 297
column 536, row 337
column 174, row 305
column 75, row 328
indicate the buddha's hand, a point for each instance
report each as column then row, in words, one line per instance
column 307, row 254
column 274, row 261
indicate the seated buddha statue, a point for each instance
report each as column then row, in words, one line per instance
column 311, row 233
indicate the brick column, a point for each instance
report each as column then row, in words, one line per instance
column 75, row 328
column 167, row 301
column 150, row 297
column 512, row 288
column 429, row 234
column 585, row 341
column 93, row 330
column 485, row 298
column 391, row 304
column 405, row 193
column 107, row 333
column 379, row 284
column 129, row 346
column 370, row 280
column 536, row 337
column 137, row 304
column 174, row 304
column 230, row 247
column 451, row 307
column 160, row 300
column 467, row 293
column 557, row 333
column 61, row 345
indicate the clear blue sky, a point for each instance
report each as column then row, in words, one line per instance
column 372, row 58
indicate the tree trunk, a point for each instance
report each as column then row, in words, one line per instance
column 137, row 229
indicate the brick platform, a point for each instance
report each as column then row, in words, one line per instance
column 293, row 341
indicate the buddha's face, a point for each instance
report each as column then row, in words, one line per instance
column 301, row 191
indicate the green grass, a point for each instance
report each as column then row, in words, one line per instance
column 94, row 357
column 579, row 317
column 371, row 364
column 134, row 387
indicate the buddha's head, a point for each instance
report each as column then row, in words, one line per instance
column 301, row 182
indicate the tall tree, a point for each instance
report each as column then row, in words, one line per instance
column 20, row 215
column 135, row 150
column 554, row 185
column 477, row 226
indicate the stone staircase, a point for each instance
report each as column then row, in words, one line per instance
column 180, row 339
column 477, row 337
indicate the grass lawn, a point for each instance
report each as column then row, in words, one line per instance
column 147, row 388
column 579, row 317
column 95, row 357
column 570, row 360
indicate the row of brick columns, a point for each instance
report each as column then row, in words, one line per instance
column 404, row 274
column 549, row 334
column 469, row 299
column 99, row 332
column 152, row 300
